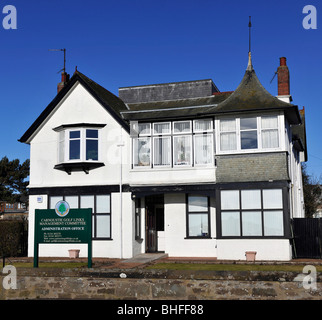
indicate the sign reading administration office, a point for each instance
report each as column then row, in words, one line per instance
column 63, row 225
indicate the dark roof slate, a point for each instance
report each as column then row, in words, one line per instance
column 172, row 108
column 113, row 104
column 249, row 96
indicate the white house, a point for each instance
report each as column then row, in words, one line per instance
column 178, row 167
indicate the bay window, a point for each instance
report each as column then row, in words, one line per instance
column 173, row 144
column 78, row 145
column 192, row 142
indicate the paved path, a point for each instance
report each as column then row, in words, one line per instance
column 145, row 258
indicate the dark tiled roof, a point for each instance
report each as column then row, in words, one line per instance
column 172, row 108
column 108, row 100
column 249, row 96
column 104, row 95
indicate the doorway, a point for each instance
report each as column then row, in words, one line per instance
column 154, row 210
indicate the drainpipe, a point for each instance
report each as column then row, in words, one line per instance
column 121, row 145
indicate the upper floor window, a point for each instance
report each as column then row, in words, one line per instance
column 248, row 133
column 177, row 144
column 78, row 145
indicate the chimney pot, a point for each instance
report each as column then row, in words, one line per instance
column 282, row 61
column 64, row 80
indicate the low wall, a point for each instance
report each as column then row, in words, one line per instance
column 46, row 283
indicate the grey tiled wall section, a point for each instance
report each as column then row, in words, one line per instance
column 252, row 167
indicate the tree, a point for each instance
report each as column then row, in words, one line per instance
column 312, row 192
column 13, row 184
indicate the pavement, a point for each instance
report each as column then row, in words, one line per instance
column 145, row 258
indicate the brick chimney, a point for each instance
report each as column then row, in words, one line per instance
column 64, row 81
column 283, row 78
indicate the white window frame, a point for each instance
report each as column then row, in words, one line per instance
column 210, row 164
column 169, row 151
column 163, row 133
column 281, row 135
column 182, row 133
column 144, row 134
column 174, row 155
column 203, row 131
column 66, row 139
column 143, row 137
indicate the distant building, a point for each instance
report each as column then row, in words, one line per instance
column 177, row 167
column 12, row 210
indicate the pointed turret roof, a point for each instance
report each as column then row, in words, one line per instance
column 250, row 95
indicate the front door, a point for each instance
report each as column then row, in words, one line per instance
column 151, row 231
column 154, row 221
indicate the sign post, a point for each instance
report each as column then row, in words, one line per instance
column 63, row 225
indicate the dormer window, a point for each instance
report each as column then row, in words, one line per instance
column 78, row 146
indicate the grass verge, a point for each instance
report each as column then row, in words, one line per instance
column 62, row 265
column 230, row 267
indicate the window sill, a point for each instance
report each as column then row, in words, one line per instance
column 176, row 168
column 249, row 151
column 78, row 166
column 201, row 237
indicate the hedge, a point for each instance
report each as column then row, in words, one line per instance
column 13, row 236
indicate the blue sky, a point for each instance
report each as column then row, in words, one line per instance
column 126, row 42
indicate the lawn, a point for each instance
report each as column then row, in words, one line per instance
column 63, row 265
column 230, row 267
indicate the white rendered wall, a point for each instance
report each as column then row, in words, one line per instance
column 267, row 249
column 175, row 230
column 78, row 107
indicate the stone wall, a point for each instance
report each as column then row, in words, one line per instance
column 46, row 283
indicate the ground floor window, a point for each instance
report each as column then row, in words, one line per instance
column 252, row 213
column 101, row 211
column 198, row 217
